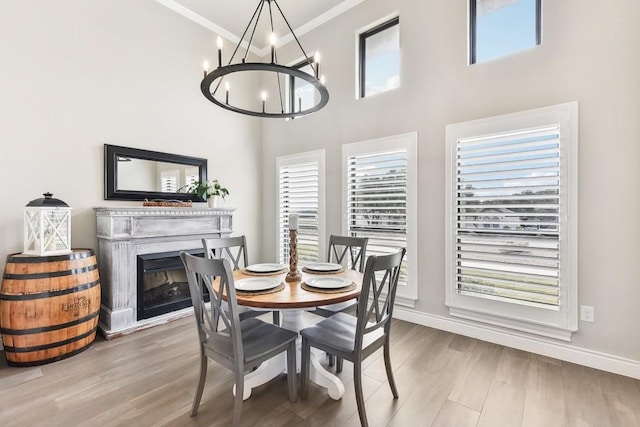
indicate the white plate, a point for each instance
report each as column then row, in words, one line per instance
column 256, row 284
column 328, row 282
column 323, row 266
column 264, row 268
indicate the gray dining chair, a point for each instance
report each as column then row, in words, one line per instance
column 351, row 252
column 235, row 250
column 356, row 338
column 238, row 345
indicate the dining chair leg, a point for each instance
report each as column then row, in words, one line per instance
column 200, row 387
column 357, row 381
column 276, row 317
column 237, row 402
column 387, row 365
column 339, row 364
column 304, row 369
column 292, row 375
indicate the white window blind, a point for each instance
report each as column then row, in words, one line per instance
column 377, row 201
column 169, row 181
column 511, row 220
column 191, row 175
column 507, row 217
column 300, row 182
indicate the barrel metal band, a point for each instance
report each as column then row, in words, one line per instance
column 10, row 349
column 77, row 254
column 48, row 328
column 72, row 272
column 49, row 294
column 49, row 360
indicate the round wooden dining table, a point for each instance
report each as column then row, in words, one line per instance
column 292, row 301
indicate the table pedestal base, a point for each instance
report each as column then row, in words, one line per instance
column 293, row 320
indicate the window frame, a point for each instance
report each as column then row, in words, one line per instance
column 558, row 324
column 473, row 28
column 362, row 44
column 406, row 294
column 297, row 159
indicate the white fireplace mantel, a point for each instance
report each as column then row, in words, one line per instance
column 124, row 233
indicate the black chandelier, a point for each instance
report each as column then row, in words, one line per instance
column 213, row 80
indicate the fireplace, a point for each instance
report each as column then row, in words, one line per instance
column 153, row 236
column 162, row 283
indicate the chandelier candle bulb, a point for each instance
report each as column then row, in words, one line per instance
column 272, row 40
column 293, row 221
column 227, row 86
column 263, row 95
column 205, row 65
column 316, row 59
column 219, row 44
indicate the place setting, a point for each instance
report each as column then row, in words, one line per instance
column 264, row 269
column 323, row 268
column 258, row 286
column 328, row 284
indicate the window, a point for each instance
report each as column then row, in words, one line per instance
column 301, row 191
column 191, row 175
column 511, row 216
column 379, row 182
column 301, row 93
column 379, row 58
column 169, row 181
column 502, row 27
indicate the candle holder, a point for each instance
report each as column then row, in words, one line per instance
column 293, row 275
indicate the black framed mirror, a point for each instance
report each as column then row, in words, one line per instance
column 134, row 174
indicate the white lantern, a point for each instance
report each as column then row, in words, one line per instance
column 47, row 227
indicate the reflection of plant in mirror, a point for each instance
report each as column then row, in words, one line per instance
column 207, row 189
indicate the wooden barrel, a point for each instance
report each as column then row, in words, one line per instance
column 49, row 306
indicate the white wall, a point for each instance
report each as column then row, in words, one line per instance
column 589, row 54
column 76, row 74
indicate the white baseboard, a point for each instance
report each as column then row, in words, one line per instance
column 520, row 341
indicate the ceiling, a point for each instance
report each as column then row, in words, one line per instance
column 229, row 18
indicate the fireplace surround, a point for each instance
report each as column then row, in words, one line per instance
column 126, row 234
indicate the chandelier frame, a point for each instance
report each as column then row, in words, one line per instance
column 218, row 74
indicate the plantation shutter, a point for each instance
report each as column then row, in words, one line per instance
column 508, row 212
column 299, row 190
column 169, row 181
column 377, row 201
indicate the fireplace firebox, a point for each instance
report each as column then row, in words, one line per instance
column 162, row 283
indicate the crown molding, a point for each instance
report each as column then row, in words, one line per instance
column 330, row 14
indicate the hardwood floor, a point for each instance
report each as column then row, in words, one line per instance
column 148, row 379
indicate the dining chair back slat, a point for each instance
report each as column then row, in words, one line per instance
column 348, row 251
column 379, row 287
column 235, row 250
column 232, row 248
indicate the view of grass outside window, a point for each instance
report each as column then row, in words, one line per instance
column 379, row 50
column 503, row 27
